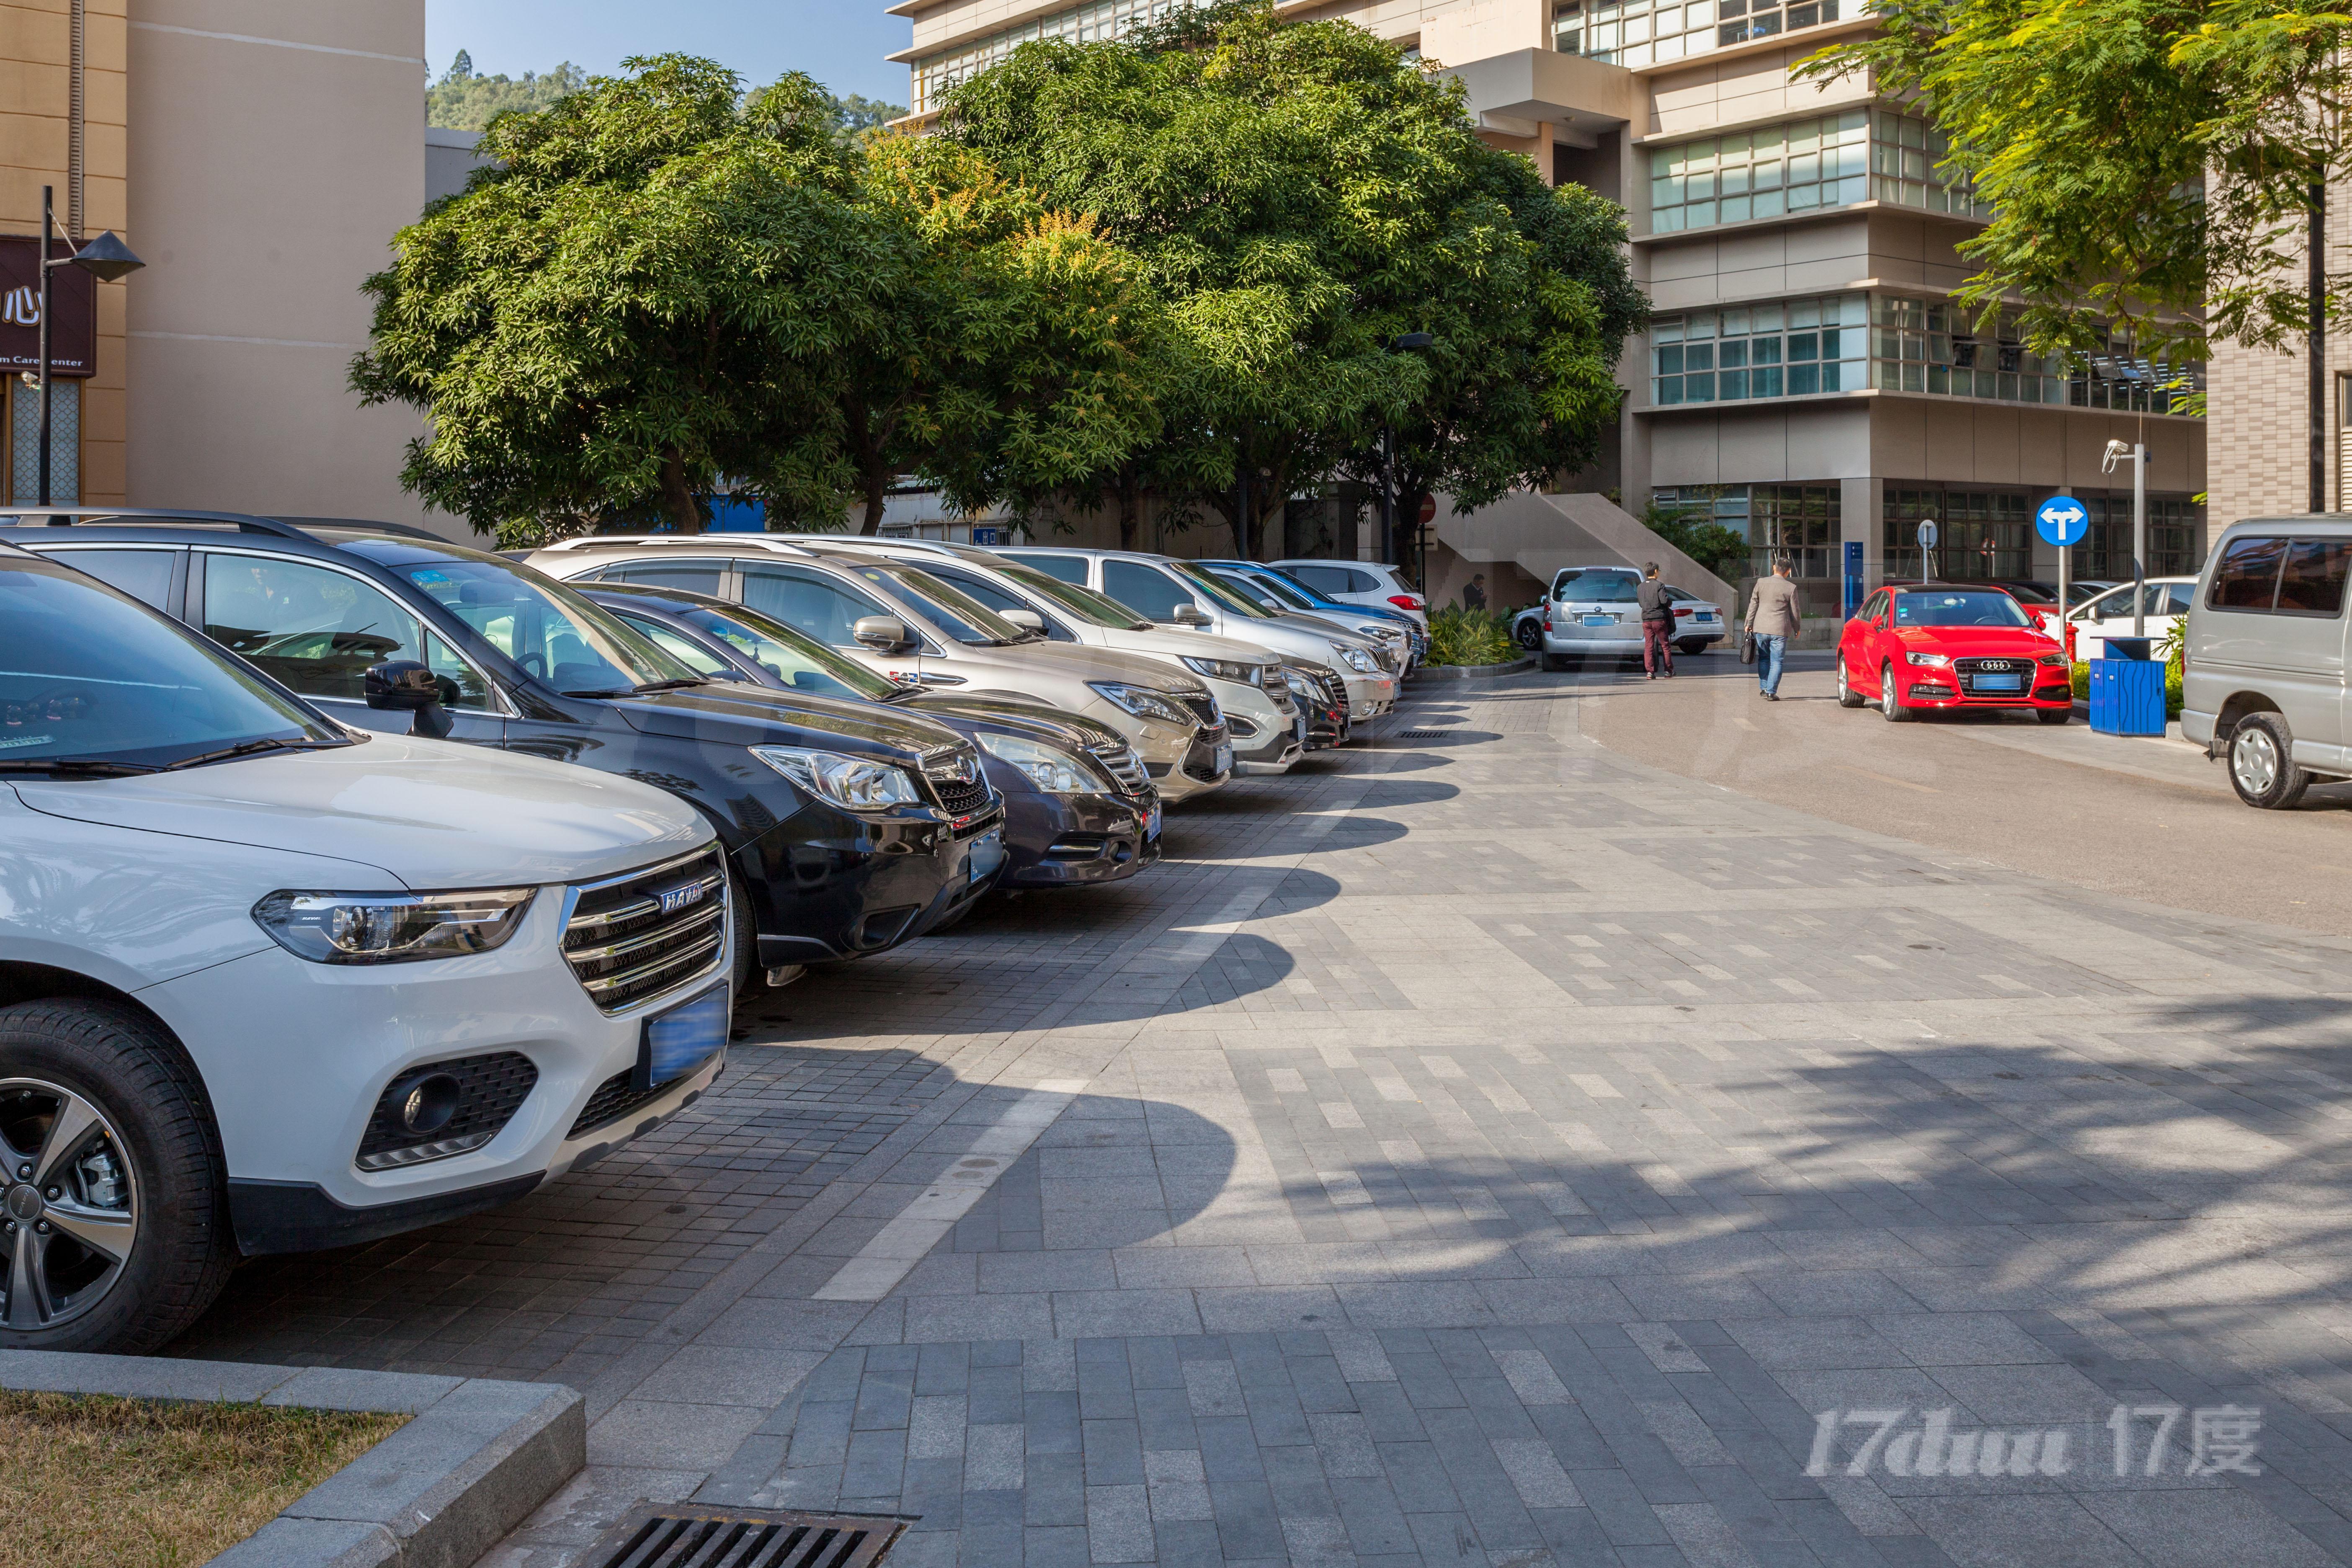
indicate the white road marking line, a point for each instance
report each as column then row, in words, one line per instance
column 895, row 1250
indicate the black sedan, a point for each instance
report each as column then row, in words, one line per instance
column 1079, row 808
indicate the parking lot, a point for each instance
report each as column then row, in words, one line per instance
column 1482, row 1145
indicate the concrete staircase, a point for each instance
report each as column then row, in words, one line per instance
column 1542, row 533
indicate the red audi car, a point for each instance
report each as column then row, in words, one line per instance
column 1941, row 646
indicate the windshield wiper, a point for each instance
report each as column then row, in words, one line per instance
column 86, row 767
column 672, row 684
column 254, row 748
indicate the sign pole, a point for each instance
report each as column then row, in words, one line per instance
column 2065, row 564
column 2139, row 542
column 47, row 271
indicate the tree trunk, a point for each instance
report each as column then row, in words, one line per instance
column 677, row 496
column 878, row 495
column 1131, row 508
column 867, row 444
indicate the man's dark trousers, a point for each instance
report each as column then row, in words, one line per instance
column 1658, row 648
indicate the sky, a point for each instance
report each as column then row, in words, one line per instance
column 840, row 42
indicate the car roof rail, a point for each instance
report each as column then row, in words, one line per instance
column 77, row 516
column 373, row 525
column 727, row 539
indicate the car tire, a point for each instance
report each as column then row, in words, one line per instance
column 2055, row 715
column 143, row 1117
column 1690, row 646
column 2261, row 764
column 1890, row 704
column 1847, row 696
column 748, row 975
column 1554, row 663
column 1529, row 636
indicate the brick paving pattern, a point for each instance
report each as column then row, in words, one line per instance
column 1479, row 1151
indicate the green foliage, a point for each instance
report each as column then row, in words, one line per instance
column 461, row 101
column 2147, row 163
column 1469, row 637
column 1722, row 551
column 1298, row 195
column 661, row 282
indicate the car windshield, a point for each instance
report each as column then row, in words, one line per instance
column 794, row 657
column 1084, row 603
column 1273, row 584
column 92, row 680
column 547, row 629
column 952, row 610
column 1959, row 607
column 1208, row 582
column 1596, row 587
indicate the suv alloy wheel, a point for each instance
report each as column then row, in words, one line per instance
column 2261, row 764
column 114, row 1220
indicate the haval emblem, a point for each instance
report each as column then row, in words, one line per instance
column 679, row 899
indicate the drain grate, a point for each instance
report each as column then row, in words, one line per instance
column 683, row 1536
column 1423, row 734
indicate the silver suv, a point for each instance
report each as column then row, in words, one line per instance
column 2264, row 644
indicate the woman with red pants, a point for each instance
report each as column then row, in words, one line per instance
column 1657, row 625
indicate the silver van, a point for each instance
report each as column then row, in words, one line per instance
column 2265, row 683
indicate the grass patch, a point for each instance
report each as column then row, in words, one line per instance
column 98, row 1482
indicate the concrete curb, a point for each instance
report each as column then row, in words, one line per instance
column 476, row 1459
column 1472, row 671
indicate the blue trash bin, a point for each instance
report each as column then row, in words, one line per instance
column 2127, row 689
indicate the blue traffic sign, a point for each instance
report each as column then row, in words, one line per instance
column 2061, row 519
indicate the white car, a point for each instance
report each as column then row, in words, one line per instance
column 1361, row 582
column 2110, row 614
column 270, row 984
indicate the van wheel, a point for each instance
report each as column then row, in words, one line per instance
column 1889, row 703
column 1554, row 663
column 2261, row 764
column 1847, row 696
column 114, row 1223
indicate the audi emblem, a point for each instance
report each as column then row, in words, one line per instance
column 1995, row 664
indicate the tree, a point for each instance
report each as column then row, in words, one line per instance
column 860, row 118
column 654, row 286
column 461, row 101
column 2148, row 165
column 1299, row 196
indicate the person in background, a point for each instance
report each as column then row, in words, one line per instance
column 1657, row 625
column 1772, row 617
column 1473, row 596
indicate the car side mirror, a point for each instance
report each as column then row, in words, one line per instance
column 1027, row 620
column 403, row 685
column 1189, row 616
column 883, row 634
column 1269, row 605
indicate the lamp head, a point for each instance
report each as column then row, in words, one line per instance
column 2117, row 452
column 107, row 258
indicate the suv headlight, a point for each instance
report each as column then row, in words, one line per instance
column 1933, row 660
column 1144, row 702
column 851, row 782
column 1223, row 669
column 1356, row 659
column 392, row 928
column 1051, row 769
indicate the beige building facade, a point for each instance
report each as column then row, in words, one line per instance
column 1807, row 380
column 259, row 155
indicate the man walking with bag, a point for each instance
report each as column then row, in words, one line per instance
column 1657, row 625
column 1773, row 622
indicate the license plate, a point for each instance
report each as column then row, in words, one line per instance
column 987, row 854
column 1151, row 823
column 1599, row 620
column 1224, row 759
column 2000, row 683
column 676, row 1042
column 1703, row 616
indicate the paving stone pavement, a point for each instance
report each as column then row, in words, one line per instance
column 1483, row 1150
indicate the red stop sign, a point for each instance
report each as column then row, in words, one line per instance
column 1428, row 511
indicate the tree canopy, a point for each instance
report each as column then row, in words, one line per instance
column 462, row 101
column 1299, row 196
column 2149, row 163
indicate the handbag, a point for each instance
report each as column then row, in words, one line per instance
column 1746, row 647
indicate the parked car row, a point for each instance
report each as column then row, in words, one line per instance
column 250, row 771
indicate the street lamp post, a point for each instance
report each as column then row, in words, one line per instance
column 2117, row 452
column 1404, row 342
column 106, row 259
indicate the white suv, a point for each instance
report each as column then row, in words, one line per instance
column 269, row 984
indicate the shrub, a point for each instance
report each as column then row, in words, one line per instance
column 1469, row 637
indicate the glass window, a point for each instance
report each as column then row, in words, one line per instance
column 680, row 647
column 1145, row 589
column 144, row 574
column 317, row 629
column 1958, row 607
column 1082, row 602
column 1201, row 580
column 1746, row 347
column 2312, row 582
column 1595, row 587
column 2177, row 597
column 998, row 599
column 693, row 577
column 963, row 618
column 799, row 661
column 2247, row 578
column 1334, row 579
column 1068, row 568
column 90, row 673
column 545, row 627
column 824, row 606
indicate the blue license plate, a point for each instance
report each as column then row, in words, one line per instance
column 1599, row 620
column 987, row 854
column 1151, row 823
column 680, row 1040
column 1225, row 759
column 2000, row 683
column 1703, row 616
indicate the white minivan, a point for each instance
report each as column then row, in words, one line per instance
column 270, row 984
column 2265, row 655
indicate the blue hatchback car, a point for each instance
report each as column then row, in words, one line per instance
column 1265, row 581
